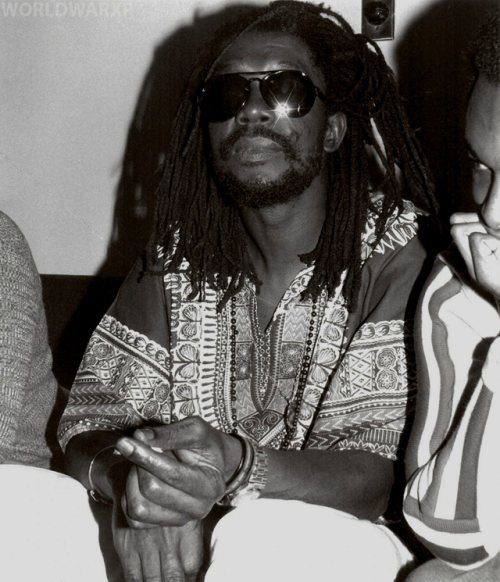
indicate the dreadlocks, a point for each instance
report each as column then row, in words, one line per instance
column 196, row 224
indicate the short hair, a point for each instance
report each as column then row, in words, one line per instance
column 194, row 223
column 485, row 50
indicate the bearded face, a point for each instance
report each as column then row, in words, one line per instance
column 261, row 156
column 261, row 190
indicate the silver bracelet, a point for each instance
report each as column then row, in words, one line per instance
column 93, row 492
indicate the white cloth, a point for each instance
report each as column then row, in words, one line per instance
column 47, row 530
column 269, row 540
column 48, row 534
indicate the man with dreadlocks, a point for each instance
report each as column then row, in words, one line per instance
column 259, row 359
column 452, row 499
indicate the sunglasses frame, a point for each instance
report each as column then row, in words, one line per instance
column 294, row 113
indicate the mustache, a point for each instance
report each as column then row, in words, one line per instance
column 227, row 146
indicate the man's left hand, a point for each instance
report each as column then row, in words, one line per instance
column 158, row 554
column 180, row 472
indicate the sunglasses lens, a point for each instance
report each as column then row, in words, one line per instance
column 223, row 96
column 290, row 91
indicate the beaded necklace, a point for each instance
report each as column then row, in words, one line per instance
column 293, row 407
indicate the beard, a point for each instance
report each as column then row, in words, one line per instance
column 260, row 192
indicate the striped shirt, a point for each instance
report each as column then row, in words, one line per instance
column 452, row 499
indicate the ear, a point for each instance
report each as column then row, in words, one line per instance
column 335, row 132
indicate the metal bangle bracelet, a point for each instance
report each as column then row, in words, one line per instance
column 244, row 467
column 256, row 480
column 241, row 475
column 93, row 492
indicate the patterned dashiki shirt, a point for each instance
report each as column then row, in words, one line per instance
column 158, row 357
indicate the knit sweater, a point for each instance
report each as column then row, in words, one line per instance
column 28, row 389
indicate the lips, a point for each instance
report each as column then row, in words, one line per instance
column 255, row 149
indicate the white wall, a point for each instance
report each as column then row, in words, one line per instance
column 69, row 87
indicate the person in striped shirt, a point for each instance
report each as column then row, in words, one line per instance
column 452, row 499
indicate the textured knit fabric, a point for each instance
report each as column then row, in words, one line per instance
column 452, row 500
column 158, row 357
column 28, row 388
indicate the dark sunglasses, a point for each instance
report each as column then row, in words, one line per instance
column 287, row 91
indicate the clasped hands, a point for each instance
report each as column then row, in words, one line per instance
column 179, row 472
column 480, row 250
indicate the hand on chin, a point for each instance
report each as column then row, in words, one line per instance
column 480, row 250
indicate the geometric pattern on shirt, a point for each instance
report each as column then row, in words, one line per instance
column 193, row 380
column 264, row 361
column 371, row 392
column 132, row 374
column 267, row 364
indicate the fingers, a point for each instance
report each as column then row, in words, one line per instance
column 162, row 464
column 464, row 218
column 196, row 443
column 461, row 232
column 480, row 250
column 182, row 561
column 148, row 502
column 486, row 248
column 191, row 548
column 135, row 550
column 149, row 556
column 132, row 567
column 201, row 480
column 171, row 565
column 190, row 433
column 485, row 253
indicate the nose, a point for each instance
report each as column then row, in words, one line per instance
column 491, row 206
column 255, row 110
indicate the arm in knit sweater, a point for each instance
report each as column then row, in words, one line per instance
column 28, row 388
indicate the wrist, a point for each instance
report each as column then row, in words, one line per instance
column 250, row 477
column 107, row 475
column 234, row 457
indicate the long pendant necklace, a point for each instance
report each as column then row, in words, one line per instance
column 232, row 366
column 292, row 411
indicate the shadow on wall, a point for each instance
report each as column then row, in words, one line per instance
column 149, row 134
column 434, row 78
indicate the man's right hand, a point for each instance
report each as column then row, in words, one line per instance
column 480, row 250
column 158, row 554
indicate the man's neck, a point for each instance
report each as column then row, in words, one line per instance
column 277, row 235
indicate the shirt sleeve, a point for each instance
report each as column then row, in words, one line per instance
column 124, row 377
column 27, row 387
column 371, row 398
column 451, row 499
column 18, row 289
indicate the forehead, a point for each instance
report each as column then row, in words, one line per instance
column 261, row 51
column 483, row 122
